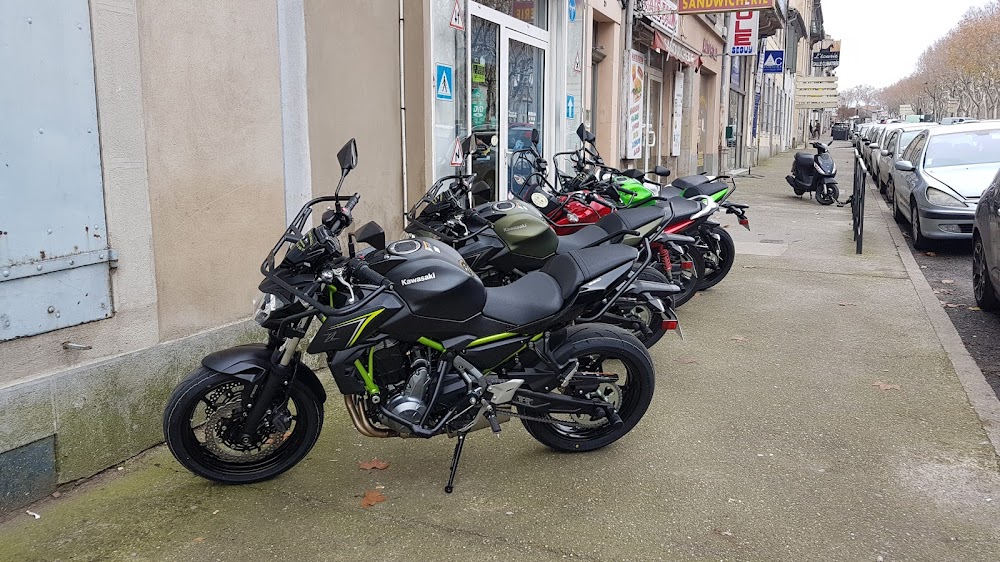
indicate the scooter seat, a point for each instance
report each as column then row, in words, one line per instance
column 689, row 181
column 804, row 159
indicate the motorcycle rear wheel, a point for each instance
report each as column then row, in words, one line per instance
column 202, row 419
column 687, row 280
column 639, row 311
column 600, row 348
column 718, row 266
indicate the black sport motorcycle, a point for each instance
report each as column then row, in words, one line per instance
column 417, row 346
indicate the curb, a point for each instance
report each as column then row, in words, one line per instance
column 979, row 393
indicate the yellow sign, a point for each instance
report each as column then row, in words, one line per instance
column 710, row 6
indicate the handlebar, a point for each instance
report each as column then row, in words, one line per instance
column 361, row 271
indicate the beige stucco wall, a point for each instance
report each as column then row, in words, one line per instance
column 213, row 143
column 353, row 90
column 606, row 114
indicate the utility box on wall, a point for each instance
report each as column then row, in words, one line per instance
column 54, row 250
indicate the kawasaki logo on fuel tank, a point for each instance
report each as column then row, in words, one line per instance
column 419, row 279
column 516, row 227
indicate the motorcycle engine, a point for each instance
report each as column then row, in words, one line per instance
column 410, row 394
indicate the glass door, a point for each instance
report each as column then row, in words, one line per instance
column 485, row 100
column 654, row 121
column 507, row 57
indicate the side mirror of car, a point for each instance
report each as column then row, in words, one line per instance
column 885, row 153
column 905, row 166
column 372, row 234
column 873, row 146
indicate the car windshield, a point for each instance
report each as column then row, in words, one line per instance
column 962, row 149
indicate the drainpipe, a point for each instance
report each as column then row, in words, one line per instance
column 402, row 112
column 626, row 81
column 727, row 78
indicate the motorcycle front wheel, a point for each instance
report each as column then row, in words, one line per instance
column 605, row 350
column 202, row 425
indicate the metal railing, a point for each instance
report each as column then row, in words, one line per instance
column 858, row 200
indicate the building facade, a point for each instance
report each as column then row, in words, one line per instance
column 156, row 150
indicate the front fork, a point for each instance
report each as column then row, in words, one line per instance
column 259, row 396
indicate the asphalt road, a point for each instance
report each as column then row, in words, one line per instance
column 948, row 269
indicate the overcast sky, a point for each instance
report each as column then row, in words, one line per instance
column 882, row 40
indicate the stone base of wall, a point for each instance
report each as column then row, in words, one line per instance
column 75, row 423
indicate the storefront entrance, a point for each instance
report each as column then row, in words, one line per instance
column 508, row 91
column 655, row 151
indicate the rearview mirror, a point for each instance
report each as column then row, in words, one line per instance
column 581, row 132
column 633, row 173
column 590, row 137
column 905, row 166
column 661, row 171
column 536, row 137
column 372, row 234
column 481, row 189
column 468, row 145
column 348, row 157
column 885, row 152
column 873, row 146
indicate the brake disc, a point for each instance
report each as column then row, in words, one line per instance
column 219, row 433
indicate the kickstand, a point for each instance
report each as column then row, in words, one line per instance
column 454, row 463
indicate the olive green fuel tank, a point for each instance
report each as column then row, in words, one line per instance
column 521, row 227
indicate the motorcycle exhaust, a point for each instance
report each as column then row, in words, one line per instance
column 361, row 423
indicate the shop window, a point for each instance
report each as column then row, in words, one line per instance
column 534, row 12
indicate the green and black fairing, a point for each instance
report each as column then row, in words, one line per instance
column 529, row 239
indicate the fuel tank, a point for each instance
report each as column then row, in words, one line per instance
column 521, row 227
column 431, row 278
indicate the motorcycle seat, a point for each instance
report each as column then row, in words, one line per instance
column 542, row 293
column 529, row 299
column 630, row 219
column 689, row 181
column 571, row 271
column 682, row 209
column 581, row 238
column 709, row 189
column 804, row 159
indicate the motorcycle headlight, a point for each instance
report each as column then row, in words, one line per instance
column 265, row 306
column 942, row 199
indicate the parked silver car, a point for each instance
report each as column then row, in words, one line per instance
column 986, row 248
column 896, row 141
column 941, row 176
column 866, row 145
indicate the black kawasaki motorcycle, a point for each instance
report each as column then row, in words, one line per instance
column 417, row 346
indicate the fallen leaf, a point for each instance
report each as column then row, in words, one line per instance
column 739, row 339
column 371, row 498
column 846, row 304
column 686, row 360
column 199, row 539
column 948, row 281
column 885, row 386
column 56, row 494
column 373, row 464
column 975, row 308
column 931, row 254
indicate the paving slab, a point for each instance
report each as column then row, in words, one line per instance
column 811, row 413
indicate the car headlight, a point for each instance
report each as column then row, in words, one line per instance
column 942, row 199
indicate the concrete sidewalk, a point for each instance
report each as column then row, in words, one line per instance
column 767, row 440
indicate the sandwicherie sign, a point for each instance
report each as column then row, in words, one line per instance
column 710, row 6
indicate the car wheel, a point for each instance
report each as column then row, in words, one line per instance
column 982, row 285
column 890, row 191
column 920, row 242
